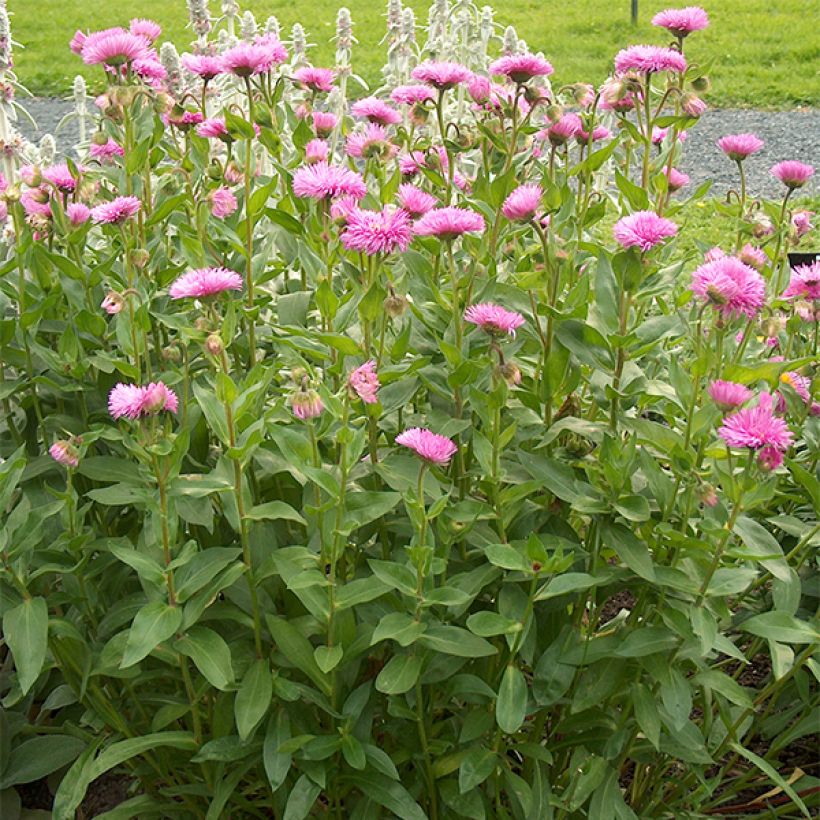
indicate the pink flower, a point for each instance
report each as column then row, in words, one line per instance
column 132, row 401
column 802, row 386
column 740, row 146
column 342, row 208
column 693, row 106
column 247, row 59
column 204, row 282
column 60, row 177
column 36, row 202
column 804, row 282
column 415, row 201
column 649, row 59
column 441, row 75
column 729, row 395
column 793, row 174
column 769, row 458
column 116, row 211
column 676, row 179
column 801, row 222
column 372, row 142
column 316, row 151
column 150, row 69
column 373, row 232
column 65, row 453
column 77, row 213
column 714, row 253
column 643, row 230
column 494, row 318
column 315, row 79
column 450, row 222
column 323, row 122
column 322, row 180
column 559, row 133
column 223, row 202
column 306, row 404
column 113, row 303
column 660, row 134
column 682, row 22
column 364, row 381
column 113, row 47
column 376, row 111
column 522, row 203
column 77, row 41
column 756, row 427
column 754, row 257
column 206, row 66
column 521, row 67
column 106, row 152
column 479, row 88
column 430, row 446
column 615, row 95
column 598, row 133
column 182, row 119
column 212, row 128
column 731, row 287
column 411, row 94
column 148, row 29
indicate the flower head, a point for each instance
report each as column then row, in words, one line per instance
column 676, row 179
column 113, row 303
column 113, row 47
column 521, row 67
column 306, row 403
column 116, row 211
column 756, row 427
column 60, row 177
column 449, row 222
column 376, row 111
column 643, row 230
column 364, row 381
column 77, row 213
column 441, row 75
column 373, row 232
column 561, row 132
column 754, row 257
column 205, row 282
column 212, row 128
column 801, row 222
column 800, row 384
column 140, row 27
column 522, row 203
column 222, row 201
column 205, row 66
column 429, row 446
column 415, row 201
column 315, row 79
column 649, row 59
column 731, row 287
column 106, row 152
column 770, row 458
column 65, row 453
column 323, row 122
column 804, row 282
column 411, row 94
column 740, row 146
column 493, row 318
column 322, row 180
column 729, row 395
column 793, row 174
column 316, row 151
column 157, row 397
column 247, row 59
column 682, row 22
column 372, row 142
column 132, row 401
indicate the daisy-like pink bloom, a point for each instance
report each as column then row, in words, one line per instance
column 77, row 213
column 793, row 174
column 372, row 142
column 649, row 59
column 113, row 47
column 441, row 75
column 306, row 404
column 60, row 177
column 150, row 69
column 222, row 201
column 730, row 287
column 323, row 122
column 316, row 151
column 493, row 318
column 247, row 59
column 801, row 222
column 804, row 282
column 373, row 232
column 132, row 401
column 36, row 202
column 676, row 179
column 729, row 395
column 521, row 68
column 116, row 211
column 77, row 41
column 205, row 66
column 415, row 201
column 802, row 386
column 561, row 132
column 615, row 95
column 600, row 132
column 364, row 381
column 140, row 27
column 212, row 128
column 682, row 22
column 479, row 88
column 205, row 282
column 522, row 203
column 643, row 230
column 755, row 257
column 65, row 453
column 756, row 427
column 376, row 111
column 182, row 118
column 431, row 447
column 315, row 79
column 714, row 253
column 660, row 134
column 113, row 303
column 450, row 222
column 740, row 146
column 411, row 94
column 322, row 181
column 342, row 208
column 106, row 152
column 770, row 458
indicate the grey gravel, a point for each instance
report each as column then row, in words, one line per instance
column 787, row 134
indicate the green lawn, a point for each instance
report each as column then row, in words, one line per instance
column 765, row 53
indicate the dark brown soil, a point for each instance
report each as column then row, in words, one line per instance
column 103, row 794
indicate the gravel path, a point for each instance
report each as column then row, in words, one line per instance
column 787, row 134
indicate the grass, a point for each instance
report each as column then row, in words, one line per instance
column 764, row 54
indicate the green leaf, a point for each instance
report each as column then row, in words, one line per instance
column 585, row 343
column 646, row 712
column 511, row 706
column 38, row 757
column 153, row 624
column 634, row 553
column 147, row 569
column 388, row 793
column 297, row 649
column 398, row 626
column 202, row 568
column 647, row 640
column 274, row 511
column 210, row 653
column 353, row 752
column 277, row 764
column 507, row 557
column 721, row 683
column 453, row 640
column 25, row 628
column 567, row 582
column 475, row 768
column 301, row 799
column 397, row 576
column 780, row 627
column 758, row 539
column 399, row 674
column 488, row 623
column 328, row 657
